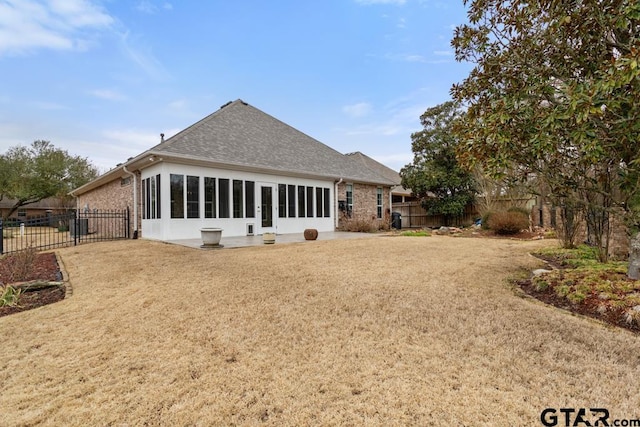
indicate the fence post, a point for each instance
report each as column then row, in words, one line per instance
column 1, row 238
column 76, row 227
column 127, row 223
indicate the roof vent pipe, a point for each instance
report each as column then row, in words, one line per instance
column 161, row 138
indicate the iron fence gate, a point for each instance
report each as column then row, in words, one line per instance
column 63, row 229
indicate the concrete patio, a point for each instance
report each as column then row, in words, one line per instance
column 245, row 241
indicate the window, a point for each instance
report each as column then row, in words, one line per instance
column 301, row 201
column 22, row 213
column 282, row 201
column 379, row 202
column 250, row 199
column 193, row 196
column 318, row 202
column 146, row 211
column 292, row 200
column 237, row 199
column 223, row 198
column 327, row 203
column 310, row 202
column 151, row 197
column 209, row 197
column 158, row 203
column 349, row 199
column 152, row 191
column 177, row 196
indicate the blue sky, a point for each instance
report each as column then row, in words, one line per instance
column 103, row 79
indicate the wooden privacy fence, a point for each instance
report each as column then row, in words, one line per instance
column 413, row 215
column 63, row 229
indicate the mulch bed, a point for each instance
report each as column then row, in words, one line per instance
column 45, row 268
column 590, row 307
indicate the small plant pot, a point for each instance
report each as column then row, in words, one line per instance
column 310, row 234
column 211, row 237
column 269, row 238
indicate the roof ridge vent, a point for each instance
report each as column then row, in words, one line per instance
column 221, row 107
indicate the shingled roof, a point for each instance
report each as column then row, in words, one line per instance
column 241, row 135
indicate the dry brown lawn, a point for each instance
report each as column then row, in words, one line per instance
column 380, row 331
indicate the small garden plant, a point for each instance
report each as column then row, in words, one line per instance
column 600, row 290
column 9, row 296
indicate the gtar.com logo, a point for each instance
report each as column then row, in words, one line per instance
column 567, row 417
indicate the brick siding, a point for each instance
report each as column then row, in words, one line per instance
column 365, row 203
column 115, row 195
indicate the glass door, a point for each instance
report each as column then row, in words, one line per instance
column 267, row 207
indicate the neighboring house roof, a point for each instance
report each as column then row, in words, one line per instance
column 239, row 136
column 382, row 170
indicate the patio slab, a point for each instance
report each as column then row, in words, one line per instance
column 246, row 241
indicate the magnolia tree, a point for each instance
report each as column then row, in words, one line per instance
column 554, row 94
column 30, row 174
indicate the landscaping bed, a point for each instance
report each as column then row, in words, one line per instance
column 581, row 285
column 27, row 273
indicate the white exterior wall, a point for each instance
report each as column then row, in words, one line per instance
column 167, row 228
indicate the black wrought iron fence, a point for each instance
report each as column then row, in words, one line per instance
column 63, row 229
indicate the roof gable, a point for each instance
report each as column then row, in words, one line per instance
column 239, row 134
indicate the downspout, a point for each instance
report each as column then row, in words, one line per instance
column 336, row 211
column 135, row 201
column 390, row 206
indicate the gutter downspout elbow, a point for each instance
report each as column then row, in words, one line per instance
column 135, row 201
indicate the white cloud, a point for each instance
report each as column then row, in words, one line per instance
column 133, row 141
column 143, row 57
column 367, row 2
column 150, row 7
column 26, row 25
column 443, row 53
column 357, row 110
column 50, row 106
column 107, row 94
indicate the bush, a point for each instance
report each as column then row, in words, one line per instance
column 485, row 219
column 361, row 225
column 520, row 210
column 509, row 222
column 22, row 264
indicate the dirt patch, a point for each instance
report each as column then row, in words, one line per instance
column 44, row 268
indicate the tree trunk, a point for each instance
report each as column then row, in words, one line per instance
column 634, row 257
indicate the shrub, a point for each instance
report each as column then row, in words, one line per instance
column 361, row 225
column 485, row 219
column 9, row 296
column 508, row 222
column 520, row 210
column 21, row 265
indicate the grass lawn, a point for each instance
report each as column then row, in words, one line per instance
column 382, row 331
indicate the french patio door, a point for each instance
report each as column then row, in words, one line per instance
column 267, row 196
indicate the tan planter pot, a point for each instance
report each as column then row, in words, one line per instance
column 269, row 238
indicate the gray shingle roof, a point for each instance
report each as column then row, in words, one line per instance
column 243, row 136
column 376, row 166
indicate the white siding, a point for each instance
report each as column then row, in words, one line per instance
column 167, row 228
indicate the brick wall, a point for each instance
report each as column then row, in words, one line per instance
column 365, row 203
column 115, row 195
